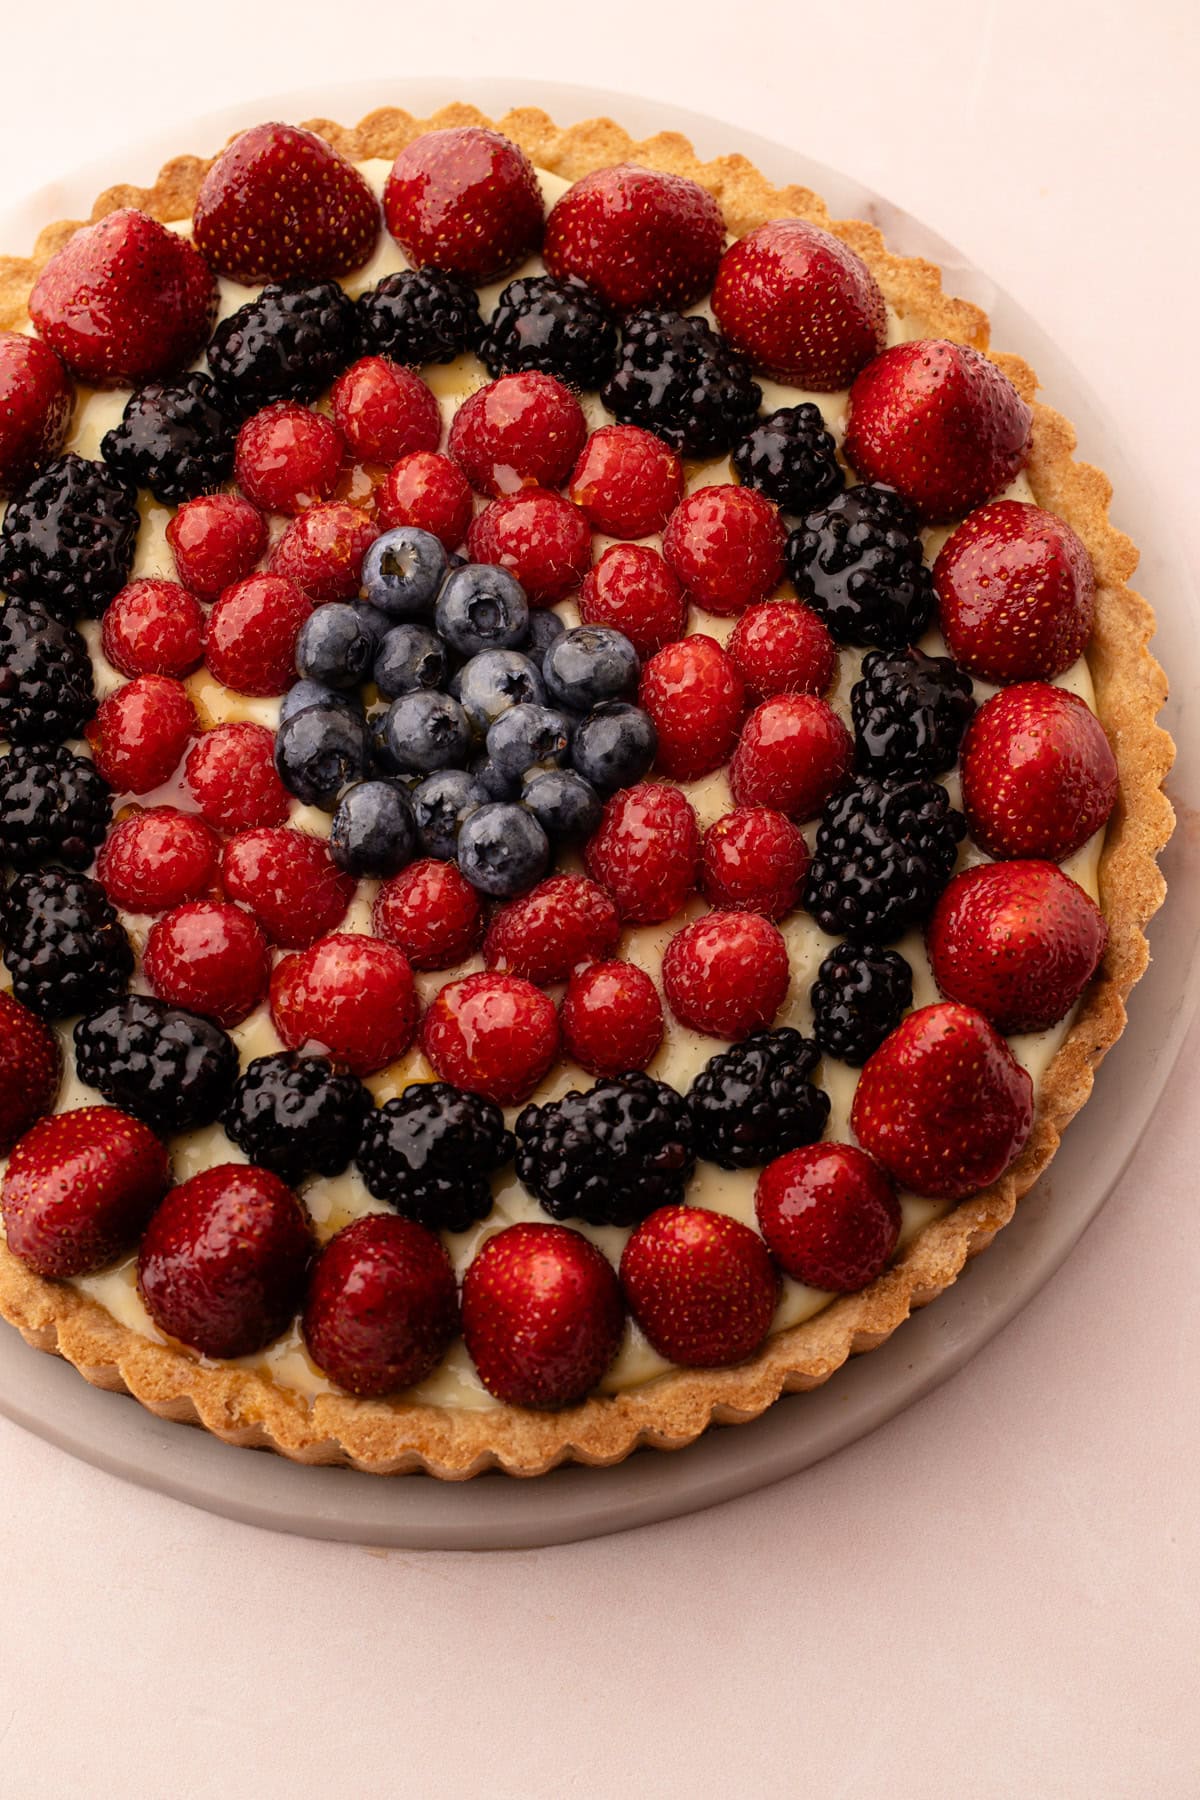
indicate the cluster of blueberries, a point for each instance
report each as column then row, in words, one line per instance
column 499, row 733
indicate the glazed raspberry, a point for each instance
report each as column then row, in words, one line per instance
column 701, row 1285
column 793, row 753
column 140, row 732
column 627, row 481
column 78, row 1189
column 252, row 631
column 384, row 411
column 465, row 199
column 639, row 237
column 1038, row 774
column 429, row 492
column 288, row 457
column 36, row 399
column 753, row 860
column 157, row 859
column 1017, row 940
column 632, row 589
column 494, row 1035
column 645, row 852
column 216, row 539
column 288, row 881
column 1016, row 593
column 830, row 1216
column 612, row 1018
column 210, row 958
column 695, row 695
column 352, row 996
column 231, row 775
column 725, row 544
column 726, row 974
column 223, row 1263
column 540, row 536
column 783, row 649
column 800, row 304
column 154, row 627
column 521, row 431
column 382, row 1306
column 30, row 1070
column 322, row 551
column 553, row 928
column 431, row 912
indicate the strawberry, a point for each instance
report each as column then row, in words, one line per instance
column 753, row 860
column 800, row 304
column 632, row 589
column 431, row 912
column 645, row 852
column 612, row 1018
column 153, row 627
column 429, row 492
column 638, row 237
column 352, row 996
column 210, row 958
column 830, row 1216
column 540, row 536
column 794, row 752
column 280, row 202
column 288, row 881
column 382, row 1306
column 726, row 975
column 943, row 1103
column 157, row 859
column 140, row 733
column 493, row 1034
column 79, row 1188
column 781, row 648
column 523, row 430
column 695, row 695
column 465, row 199
column 1038, row 774
column 701, row 1285
column 231, row 774
column 250, row 644
column 725, row 545
column 125, row 300
column 549, row 931
column 216, row 540
column 627, row 481
column 30, row 1070
column 36, row 400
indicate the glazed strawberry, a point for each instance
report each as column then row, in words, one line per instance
column 429, row 492
column 627, row 481
column 36, row 401
column 632, row 589
column 1016, row 593
column 612, row 1018
column 250, row 644
column 1019, row 941
column 78, row 1189
column 1038, row 774
column 384, row 411
column 943, row 1103
column 495, row 1035
column 431, row 912
column 322, row 551
column 695, row 695
column 465, row 199
column 800, row 304
column 125, row 300
column 140, row 733
column 830, row 1216
column 280, row 202
column 287, row 457
column 753, row 860
column 352, row 996
column 783, row 649
column 520, row 431
column 725, row 544
column 223, row 1263
column 549, row 931
column 542, row 1315
column 231, row 775
column 30, row 1070
column 638, row 237
column 540, row 536
column 382, row 1307
column 794, row 752
column 701, row 1285
column 645, row 852
column 209, row 957
column 216, row 539
column 289, row 882
column 726, row 975
column 939, row 423
column 157, row 859
column 154, row 627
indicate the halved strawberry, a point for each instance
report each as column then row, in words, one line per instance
column 639, row 237
column 800, row 304
column 465, row 199
column 79, row 1188
column 36, row 398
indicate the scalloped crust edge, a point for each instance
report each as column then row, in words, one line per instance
column 245, row 1408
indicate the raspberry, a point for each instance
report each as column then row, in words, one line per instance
column 431, row 912
column 632, row 589
column 783, row 649
column 612, row 1018
column 154, row 628
column 231, row 775
column 384, row 411
column 382, row 1306
column 210, row 958
column 157, row 859
column 552, row 929
column 726, row 974
column 541, row 537
column 520, row 431
column 322, row 551
column 627, row 481
column 429, row 492
column 830, row 1216
column 695, row 695
column 286, row 457
column 725, row 543
column 494, row 1035
column 140, row 732
column 645, row 852
column 701, row 1285
column 252, row 632
column 793, row 753
column 288, row 881
column 753, row 860
column 352, row 996
column 216, row 539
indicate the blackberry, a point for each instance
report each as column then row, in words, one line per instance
column 910, row 711
column 791, row 458
column 292, row 1114
column 884, row 852
column 753, row 1102
column 858, row 561
column 46, row 686
column 611, row 1155
column 431, row 1153
column 560, row 327
column 175, row 438
column 286, row 344
column 68, row 539
column 420, row 316
column 677, row 377
column 859, row 997
column 66, row 950
column 55, row 807
column 164, row 1065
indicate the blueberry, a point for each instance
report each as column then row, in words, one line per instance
column 545, row 628
column 320, row 751
column 427, row 731
column 614, row 746
column 304, row 694
column 567, row 807
column 376, row 622
column 493, row 780
column 373, row 830
column 587, row 666
column 335, row 647
column 492, row 682
column 409, row 657
column 440, row 804
column 525, row 736
column 402, row 572
column 482, row 608
column 502, row 850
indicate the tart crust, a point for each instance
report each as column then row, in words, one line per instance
column 390, row 1437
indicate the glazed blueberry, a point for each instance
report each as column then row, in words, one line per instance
column 427, row 731
column 408, row 658
column 489, row 684
column 567, row 807
column 502, row 850
column 373, row 830
column 526, row 737
column 440, row 805
column 614, row 746
column 335, row 647
column 545, row 628
column 496, row 783
column 304, row 694
column 590, row 665
column 402, row 572
column 482, row 608
column 376, row 622
column 320, row 751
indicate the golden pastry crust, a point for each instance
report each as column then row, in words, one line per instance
column 244, row 1407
